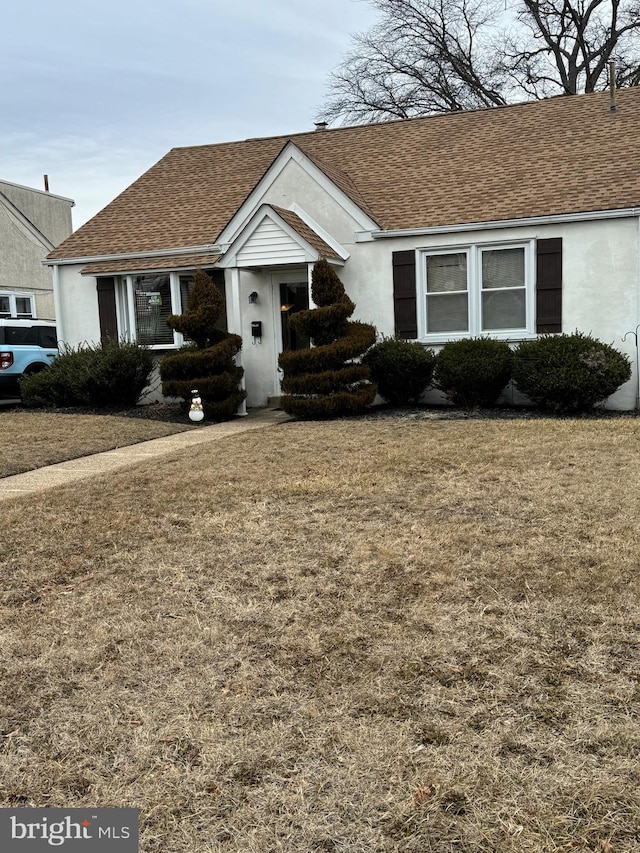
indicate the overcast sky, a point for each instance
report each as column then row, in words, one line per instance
column 94, row 93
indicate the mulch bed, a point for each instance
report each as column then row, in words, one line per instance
column 176, row 413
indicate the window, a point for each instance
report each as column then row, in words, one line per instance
column 478, row 290
column 17, row 305
column 447, row 293
column 503, row 289
column 152, row 300
column 144, row 302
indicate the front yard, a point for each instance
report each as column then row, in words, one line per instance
column 365, row 636
column 32, row 439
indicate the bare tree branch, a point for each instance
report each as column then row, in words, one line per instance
column 433, row 56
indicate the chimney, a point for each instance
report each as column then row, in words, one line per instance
column 321, row 125
column 612, row 86
column 46, row 183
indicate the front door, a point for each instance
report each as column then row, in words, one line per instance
column 293, row 298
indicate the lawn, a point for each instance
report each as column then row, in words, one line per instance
column 32, row 439
column 366, row 636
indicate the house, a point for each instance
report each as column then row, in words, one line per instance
column 32, row 223
column 508, row 222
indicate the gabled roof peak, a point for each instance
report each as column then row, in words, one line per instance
column 539, row 158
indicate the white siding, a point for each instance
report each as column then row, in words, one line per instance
column 269, row 244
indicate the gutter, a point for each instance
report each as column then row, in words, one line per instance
column 158, row 253
column 553, row 219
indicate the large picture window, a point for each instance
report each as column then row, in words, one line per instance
column 478, row 290
column 143, row 302
column 153, row 304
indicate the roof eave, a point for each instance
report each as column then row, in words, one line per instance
column 547, row 219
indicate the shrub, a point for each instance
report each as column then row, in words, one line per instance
column 569, row 373
column 401, row 369
column 327, row 381
column 208, row 363
column 108, row 375
column 473, row 372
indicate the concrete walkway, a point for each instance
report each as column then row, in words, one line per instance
column 124, row 457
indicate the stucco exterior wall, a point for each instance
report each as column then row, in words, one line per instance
column 601, row 287
column 294, row 185
column 601, row 279
column 79, row 322
column 21, row 268
column 23, row 248
column 51, row 214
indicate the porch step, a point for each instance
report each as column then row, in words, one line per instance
column 273, row 402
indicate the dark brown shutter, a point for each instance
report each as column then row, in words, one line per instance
column 404, row 294
column 549, row 285
column 217, row 277
column 107, row 309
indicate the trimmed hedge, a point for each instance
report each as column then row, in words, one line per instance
column 324, row 382
column 401, row 369
column 473, row 372
column 568, row 374
column 113, row 374
column 208, row 363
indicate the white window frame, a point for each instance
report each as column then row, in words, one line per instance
column 13, row 311
column 126, row 311
column 473, row 252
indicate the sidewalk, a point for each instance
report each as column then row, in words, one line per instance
column 124, row 457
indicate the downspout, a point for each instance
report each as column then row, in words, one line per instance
column 637, row 315
column 57, row 302
column 635, row 333
column 236, row 324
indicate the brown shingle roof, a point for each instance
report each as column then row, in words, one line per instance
column 563, row 155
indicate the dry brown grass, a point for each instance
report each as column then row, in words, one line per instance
column 360, row 636
column 35, row 439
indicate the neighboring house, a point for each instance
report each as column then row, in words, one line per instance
column 32, row 223
column 507, row 222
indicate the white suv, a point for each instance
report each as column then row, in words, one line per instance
column 26, row 347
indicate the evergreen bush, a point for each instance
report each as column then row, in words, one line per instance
column 207, row 364
column 474, row 371
column 401, row 369
column 568, row 374
column 327, row 380
column 113, row 374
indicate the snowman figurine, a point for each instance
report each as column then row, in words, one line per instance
column 196, row 412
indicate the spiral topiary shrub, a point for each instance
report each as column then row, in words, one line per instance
column 327, row 380
column 207, row 364
column 473, row 372
column 112, row 374
column 401, row 369
column 568, row 374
